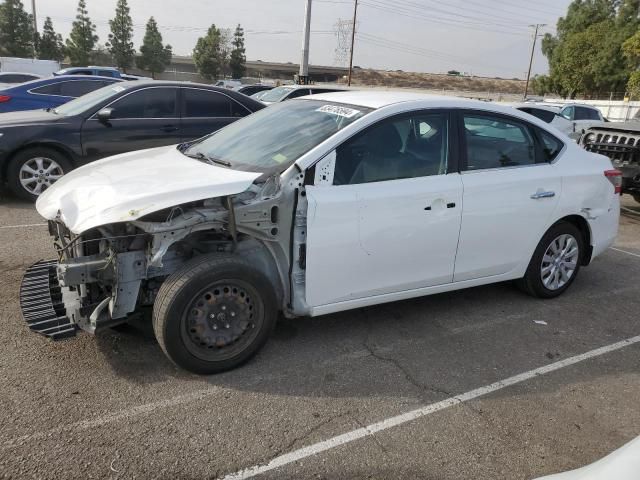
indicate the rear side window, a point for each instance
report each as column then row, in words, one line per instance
column 544, row 115
column 495, row 142
column 551, row 146
column 105, row 73
column 583, row 113
column 301, row 92
column 206, row 104
column 79, row 87
column 148, row 103
column 16, row 78
column 567, row 112
column 52, row 89
column 81, row 72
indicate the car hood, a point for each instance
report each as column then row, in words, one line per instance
column 27, row 118
column 128, row 186
column 628, row 126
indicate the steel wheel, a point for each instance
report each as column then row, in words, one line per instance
column 222, row 320
column 560, row 261
column 39, row 173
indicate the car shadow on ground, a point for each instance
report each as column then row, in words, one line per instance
column 437, row 345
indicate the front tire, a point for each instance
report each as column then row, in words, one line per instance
column 555, row 262
column 33, row 170
column 214, row 314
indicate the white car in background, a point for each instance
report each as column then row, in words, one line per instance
column 582, row 117
column 550, row 115
column 313, row 206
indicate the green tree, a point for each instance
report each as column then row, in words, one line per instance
column 120, row 43
column 238, row 59
column 211, row 52
column 585, row 56
column 16, row 30
column 633, row 87
column 154, row 57
column 631, row 50
column 82, row 39
column 50, row 45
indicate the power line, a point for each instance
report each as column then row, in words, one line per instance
column 438, row 20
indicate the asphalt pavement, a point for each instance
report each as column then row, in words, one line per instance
column 328, row 397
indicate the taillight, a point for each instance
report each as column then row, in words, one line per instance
column 4, row 98
column 615, row 177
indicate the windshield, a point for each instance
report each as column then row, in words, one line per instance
column 272, row 139
column 276, row 94
column 85, row 102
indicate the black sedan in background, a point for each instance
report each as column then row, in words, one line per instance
column 37, row 147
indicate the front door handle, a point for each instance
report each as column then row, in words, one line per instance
column 542, row 194
column 169, row 128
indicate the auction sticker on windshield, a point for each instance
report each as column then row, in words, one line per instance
column 340, row 111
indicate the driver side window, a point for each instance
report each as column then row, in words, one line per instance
column 405, row 146
column 147, row 103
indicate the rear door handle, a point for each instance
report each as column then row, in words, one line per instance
column 169, row 128
column 541, row 194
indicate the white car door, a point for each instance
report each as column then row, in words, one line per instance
column 510, row 192
column 390, row 219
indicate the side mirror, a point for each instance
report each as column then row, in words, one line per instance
column 105, row 114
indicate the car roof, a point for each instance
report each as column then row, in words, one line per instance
column 62, row 78
column 383, row 98
column 580, row 105
column 535, row 105
column 21, row 73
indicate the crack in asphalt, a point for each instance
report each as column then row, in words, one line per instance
column 289, row 446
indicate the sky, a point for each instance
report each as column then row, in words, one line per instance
column 480, row 37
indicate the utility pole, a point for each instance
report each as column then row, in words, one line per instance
column 353, row 40
column 35, row 20
column 533, row 49
column 303, row 76
column 35, row 26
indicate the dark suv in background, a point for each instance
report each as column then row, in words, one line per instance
column 620, row 141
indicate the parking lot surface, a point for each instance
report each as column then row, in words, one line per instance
column 112, row 406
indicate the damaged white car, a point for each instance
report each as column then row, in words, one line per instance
column 314, row 206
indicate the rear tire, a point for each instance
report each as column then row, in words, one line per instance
column 555, row 263
column 214, row 314
column 33, row 170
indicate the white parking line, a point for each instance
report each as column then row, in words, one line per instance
column 27, row 225
column 388, row 423
column 624, row 251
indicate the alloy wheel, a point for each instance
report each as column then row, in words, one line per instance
column 39, row 173
column 560, row 261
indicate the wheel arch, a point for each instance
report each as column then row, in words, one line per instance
column 58, row 147
column 585, row 229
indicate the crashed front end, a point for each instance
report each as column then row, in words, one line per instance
column 95, row 281
column 107, row 274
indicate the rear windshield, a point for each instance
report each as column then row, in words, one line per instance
column 276, row 94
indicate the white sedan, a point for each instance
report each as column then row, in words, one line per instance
column 313, row 206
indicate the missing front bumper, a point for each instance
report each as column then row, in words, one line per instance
column 42, row 304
